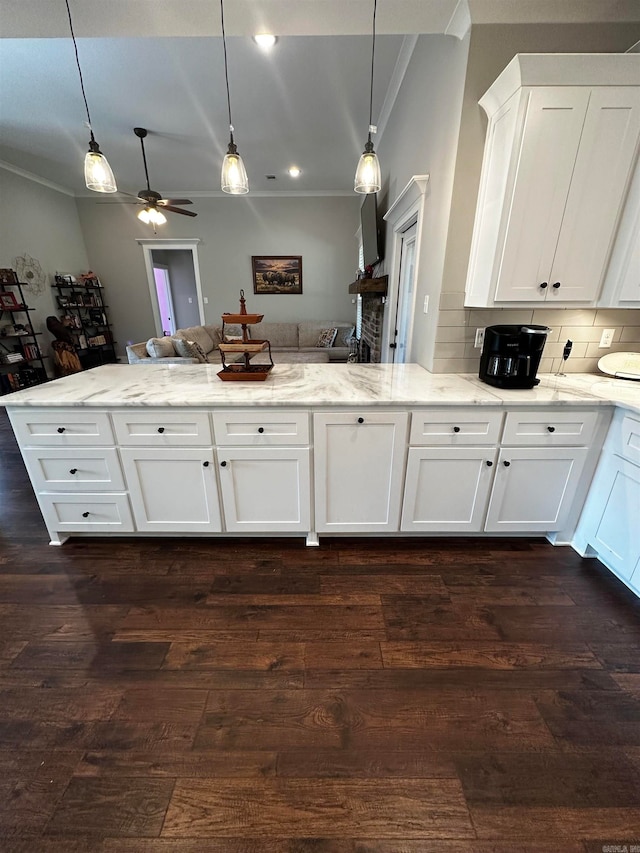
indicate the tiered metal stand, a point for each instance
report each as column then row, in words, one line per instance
column 241, row 369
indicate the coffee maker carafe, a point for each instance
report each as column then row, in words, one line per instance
column 511, row 355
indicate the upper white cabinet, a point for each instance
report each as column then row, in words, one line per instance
column 561, row 145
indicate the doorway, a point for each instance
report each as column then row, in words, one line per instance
column 174, row 284
column 401, row 344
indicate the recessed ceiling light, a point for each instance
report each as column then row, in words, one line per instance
column 294, row 171
column 265, row 40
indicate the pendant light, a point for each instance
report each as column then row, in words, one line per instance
column 234, row 176
column 367, row 178
column 98, row 175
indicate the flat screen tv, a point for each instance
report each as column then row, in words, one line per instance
column 370, row 232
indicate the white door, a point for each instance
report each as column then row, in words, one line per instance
column 401, row 343
column 165, row 300
column 447, row 488
column 265, row 489
column 548, row 151
column 359, row 471
column 534, row 488
column 172, row 489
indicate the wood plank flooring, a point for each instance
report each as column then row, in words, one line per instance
column 258, row 696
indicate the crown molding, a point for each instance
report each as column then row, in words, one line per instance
column 252, row 194
column 460, row 21
column 402, row 63
column 9, row 167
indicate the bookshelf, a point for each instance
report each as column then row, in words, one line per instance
column 84, row 313
column 21, row 359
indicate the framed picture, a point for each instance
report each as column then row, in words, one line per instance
column 7, row 301
column 277, row 273
column 8, row 277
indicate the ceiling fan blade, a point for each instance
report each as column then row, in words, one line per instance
column 118, row 201
column 178, row 210
column 165, row 201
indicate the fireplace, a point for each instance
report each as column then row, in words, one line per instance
column 371, row 329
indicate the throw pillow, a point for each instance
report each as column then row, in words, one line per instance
column 327, row 337
column 344, row 336
column 190, row 349
column 160, row 347
column 233, row 333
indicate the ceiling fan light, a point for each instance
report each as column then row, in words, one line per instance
column 265, row 41
column 367, row 179
column 157, row 218
column 98, row 175
column 234, row 178
column 143, row 216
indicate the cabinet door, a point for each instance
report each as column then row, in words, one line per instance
column 600, row 177
column 534, row 488
column 359, row 471
column 616, row 531
column 447, row 489
column 548, row 151
column 265, row 489
column 173, row 490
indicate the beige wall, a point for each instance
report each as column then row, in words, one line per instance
column 43, row 223
column 491, row 48
column 231, row 230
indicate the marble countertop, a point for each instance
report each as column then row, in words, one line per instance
column 124, row 385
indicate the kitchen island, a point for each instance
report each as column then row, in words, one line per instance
column 315, row 449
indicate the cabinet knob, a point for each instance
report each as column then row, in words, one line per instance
column 61, row 429
column 160, row 429
column 456, row 429
column 205, row 464
column 73, row 470
column 489, row 463
column 85, row 515
column 260, row 429
column 506, row 464
column 555, row 285
column 223, row 464
column 551, row 429
column 360, row 420
column 544, row 284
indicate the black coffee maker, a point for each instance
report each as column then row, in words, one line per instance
column 511, row 355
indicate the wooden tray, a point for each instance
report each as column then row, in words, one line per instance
column 243, row 319
column 240, row 373
column 244, row 346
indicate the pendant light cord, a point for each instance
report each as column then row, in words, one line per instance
column 226, row 70
column 75, row 47
column 373, row 53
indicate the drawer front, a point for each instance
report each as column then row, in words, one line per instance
column 90, row 513
column 162, row 428
column 630, row 433
column 261, row 428
column 61, row 428
column 451, row 427
column 74, row 470
column 549, row 428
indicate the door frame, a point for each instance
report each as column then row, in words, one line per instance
column 157, row 266
column 189, row 244
column 408, row 236
column 406, row 209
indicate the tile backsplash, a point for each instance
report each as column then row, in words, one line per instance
column 455, row 351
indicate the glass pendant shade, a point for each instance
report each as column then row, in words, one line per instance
column 97, row 172
column 234, row 178
column 367, row 178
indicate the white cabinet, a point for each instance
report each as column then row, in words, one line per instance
column 85, row 513
column 560, row 150
column 359, row 470
column 621, row 288
column 173, row 490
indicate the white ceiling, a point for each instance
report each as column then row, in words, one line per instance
column 158, row 64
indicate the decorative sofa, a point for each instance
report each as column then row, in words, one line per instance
column 290, row 343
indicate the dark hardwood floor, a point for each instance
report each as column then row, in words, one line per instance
column 258, row 696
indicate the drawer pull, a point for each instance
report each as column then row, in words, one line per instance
column 61, row 429
column 360, row 420
column 555, row 285
column 506, row 464
column 223, row 464
column 160, row 429
column 73, row 470
column 544, row 284
column 551, row 429
column 456, row 429
column 85, row 515
column 489, row 463
column 205, row 464
column 260, row 429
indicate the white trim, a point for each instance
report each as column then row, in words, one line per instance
column 407, row 199
column 188, row 243
column 9, row 167
column 460, row 21
column 402, row 63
